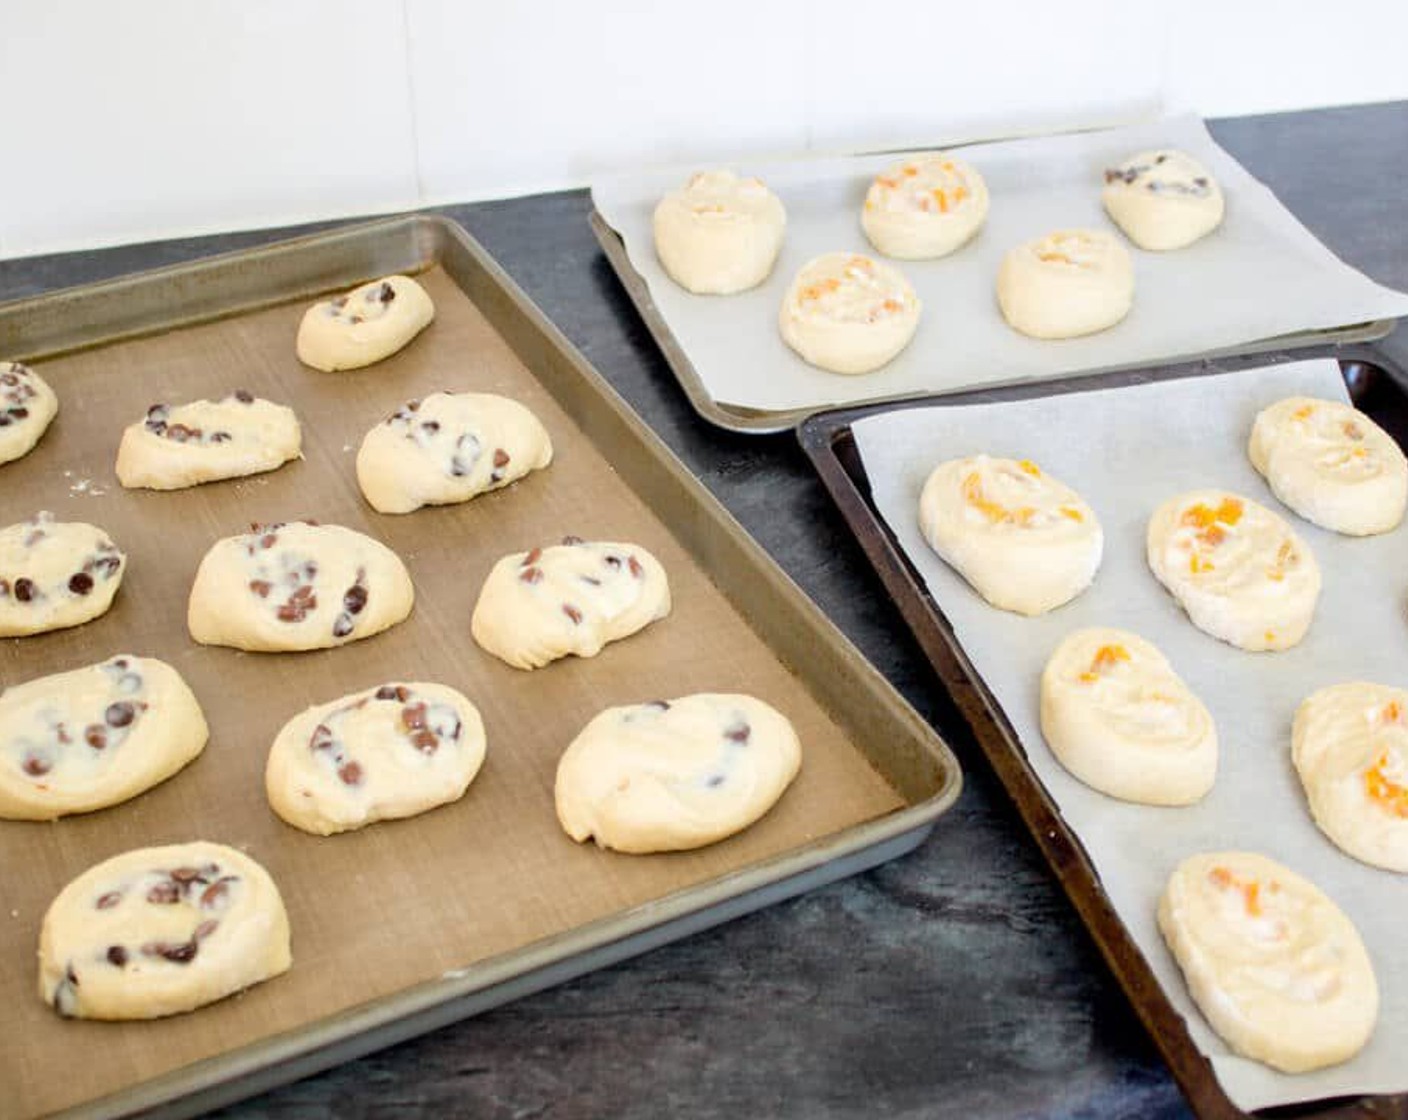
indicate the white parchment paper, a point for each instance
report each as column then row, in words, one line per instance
column 1125, row 451
column 1261, row 274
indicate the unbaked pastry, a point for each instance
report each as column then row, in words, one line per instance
column 182, row 445
column 719, row 234
column 570, row 598
column 384, row 753
column 1163, row 199
column 1068, row 283
column 297, row 586
column 27, row 406
column 1118, row 717
column 1331, row 464
column 55, row 574
column 1276, row 968
column 1026, row 542
column 675, row 774
column 924, row 206
column 449, row 448
column 1349, row 744
column 93, row 737
column 159, row 931
column 364, row 326
column 847, row 313
column 1241, row 573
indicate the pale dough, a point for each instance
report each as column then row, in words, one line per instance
column 1118, row 717
column 93, row 737
column 1024, row 541
column 364, row 326
column 159, row 931
column 1163, row 199
column 719, row 234
column 297, row 586
column 1349, row 744
column 175, row 446
column 846, row 313
column 1238, row 569
column 1065, row 284
column 55, row 574
column 570, row 598
column 924, row 206
column 1331, row 464
column 384, row 753
column 449, row 448
column 27, row 406
column 675, row 774
column 1276, row 968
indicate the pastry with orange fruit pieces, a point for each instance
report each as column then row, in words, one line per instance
column 1349, row 744
column 1277, row 969
column 719, row 234
column 1024, row 541
column 1118, row 717
column 1239, row 570
column 847, row 313
column 1163, row 199
column 924, row 206
column 1065, row 284
column 1331, row 464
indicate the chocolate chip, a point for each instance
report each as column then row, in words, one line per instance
column 205, row 929
column 611, row 560
column 80, row 583
column 4, row 588
column 573, row 613
column 181, row 433
column 355, row 319
column 24, row 589
column 590, row 581
column 220, row 437
column 738, row 733
column 96, row 736
column 425, row 741
column 120, row 714
column 413, row 717
column 268, row 540
column 1113, row 175
column 500, row 457
column 571, row 540
column 5, row 420
column 393, row 692
column 340, row 302
column 107, row 566
column 36, row 766
column 636, row 569
column 531, row 575
column 19, row 413
column 430, row 427
column 342, row 625
column 261, row 587
column 109, row 900
column 1200, row 182
column 164, row 894
column 117, row 955
column 1161, row 157
column 321, row 739
column 350, row 772
column 715, row 781
column 355, row 599
column 662, row 705
column 183, row 953
column 386, row 293
column 216, row 893
column 531, row 558
column 244, row 396
column 185, row 875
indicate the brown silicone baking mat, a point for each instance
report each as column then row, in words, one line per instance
column 403, row 910
column 828, row 441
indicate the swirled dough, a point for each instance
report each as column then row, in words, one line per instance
column 1121, row 720
column 1241, row 573
column 55, row 574
column 27, row 407
column 848, row 314
column 182, row 445
column 1331, row 464
column 719, row 234
column 1276, row 968
column 675, row 774
column 384, row 753
column 924, row 206
column 93, row 737
column 159, row 931
column 1349, row 744
column 448, row 448
column 1068, row 283
column 1026, row 542
column 364, row 326
column 1163, row 199
column 297, row 586
column 571, row 598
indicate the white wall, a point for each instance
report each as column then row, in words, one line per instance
column 158, row 118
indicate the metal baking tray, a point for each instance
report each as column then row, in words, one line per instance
column 179, row 331
column 1378, row 388
column 760, row 422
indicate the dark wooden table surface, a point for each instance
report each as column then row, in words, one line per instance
column 955, row 982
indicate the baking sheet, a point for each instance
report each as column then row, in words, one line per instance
column 379, row 911
column 1259, row 276
column 1137, row 446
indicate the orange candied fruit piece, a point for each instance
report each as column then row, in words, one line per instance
column 1073, row 513
column 1196, row 564
column 1053, row 255
column 941, row 197
column 1251, row 891
column 1303, row 412
column 1384, row 790
column 1029, row 467
column 1392, row 712
column 1106, row 658
column 910, row 170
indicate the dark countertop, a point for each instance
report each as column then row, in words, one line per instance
column 954, row 982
